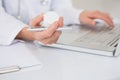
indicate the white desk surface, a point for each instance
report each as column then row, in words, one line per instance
column 68, row 65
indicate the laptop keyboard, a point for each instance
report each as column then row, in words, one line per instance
column 103, row 36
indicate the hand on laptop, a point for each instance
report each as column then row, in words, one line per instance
column 48, row 36
column 88, row 17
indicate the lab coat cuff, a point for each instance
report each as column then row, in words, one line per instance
column 13, row 35
column 76, row 17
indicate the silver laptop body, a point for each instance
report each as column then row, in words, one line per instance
column 93, row 40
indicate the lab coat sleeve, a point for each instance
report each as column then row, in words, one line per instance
column 65, row 8
column 9, row 27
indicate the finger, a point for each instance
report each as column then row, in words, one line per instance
column 60, row 22
column 52, row 28
column 55, row 36
column 50, row 31
column 107, row 19
column 52, row 39
column 110, row 20
column 102, row 16
column 36, row 21
column 39, row 35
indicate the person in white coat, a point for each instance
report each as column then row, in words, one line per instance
column 17, row 15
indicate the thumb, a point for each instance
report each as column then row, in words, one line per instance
column 36, row 21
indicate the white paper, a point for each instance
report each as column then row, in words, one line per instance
column 17, row 55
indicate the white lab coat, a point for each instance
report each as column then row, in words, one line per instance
column 10, row 25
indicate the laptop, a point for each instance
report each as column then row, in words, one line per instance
column 86, row 39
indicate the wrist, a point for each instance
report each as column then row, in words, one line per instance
column 81, row 14
column 25, row 35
